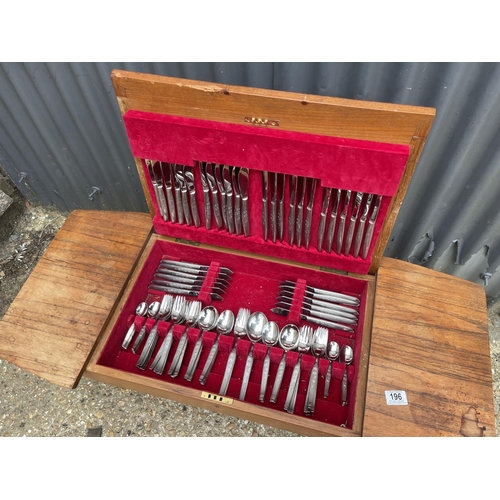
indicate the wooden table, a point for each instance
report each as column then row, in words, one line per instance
column 429, row 337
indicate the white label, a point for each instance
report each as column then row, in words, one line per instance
column 396, row 398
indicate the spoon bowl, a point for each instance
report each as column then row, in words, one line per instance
column 141, row 309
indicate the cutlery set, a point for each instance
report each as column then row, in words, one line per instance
column 345, row 234
column 181, row 280
column 175, row 192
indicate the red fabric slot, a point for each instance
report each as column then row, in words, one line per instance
column 208, row 339
column 291, row 358
column 131, row 319
column 259, row 351
column 208, row 283
column 178, row 331
column 150, row 322
column 308, row 362
column 275, row 355
column 323, row 366
column 298, row 298
column 225, row 343
column 163, row 327
column 193, row 335
column 243, row 347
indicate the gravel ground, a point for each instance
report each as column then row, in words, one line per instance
column 31, row 406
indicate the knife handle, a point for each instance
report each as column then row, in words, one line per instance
column 237, row 214
column 273, row 221
column 331, row 233
column 178, row 204
column 230, row 215
column 359, row 237
column 281, row 212
column 321, row 231
column 171, row 203
column 264, row 218
column 300, row 218
column 340, row 233
column 350, row 234
column 224, row 209
column 208, row 209
column 185, row 206
column 291, row 224
column 245, row 219
column 368, row 238
column 194, row 209
column 307, row 230
column 163, row 203
column 217, row 213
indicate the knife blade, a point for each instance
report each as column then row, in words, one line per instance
column 371, row 226
column 189, row 177
column 281, row 204
column 343, row 217
column 206, row 196
column 361, row 225
column 300, row 210
column 333, row 221
column 222, row 191
column 243, row 182
column 177, row 176
column 291, row 214
column 327, row 194
column 352, row 223
column 274, row 196
column 167, row 179
column 215, row 195
column 237, row 200
column 265, row 195
column 309, row 209
column 228, row 185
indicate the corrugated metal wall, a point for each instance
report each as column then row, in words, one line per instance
column 61, row 127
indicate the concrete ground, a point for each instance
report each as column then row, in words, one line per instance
column 31, row 406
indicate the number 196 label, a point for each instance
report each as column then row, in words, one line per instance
column 395, row 398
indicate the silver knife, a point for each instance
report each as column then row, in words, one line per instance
column 206, row 196
column 177, row 187
column 327, row 194
column 189, row 177
column 243, row 182
column 333, row 221
column 228, row 185
column 281, row 204
column 352, row 223
column 215, row 196
column 265, row 195
column 237, row 200
column 167, row 178
column 222, row 191
column 371, row 225
column 149, row 164
column 184, row 194
column 274, row 213
column 343, row 217
column 300, row 211
column 291, row 214
column 361, row 226
column 309, row 209
column 161, row 193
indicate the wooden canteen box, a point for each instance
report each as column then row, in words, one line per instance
column 421, row 364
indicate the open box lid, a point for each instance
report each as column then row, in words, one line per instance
column 345, row 144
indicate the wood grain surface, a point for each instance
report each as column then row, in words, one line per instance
column 330, row 116
column 430, row 339
column 51, row 327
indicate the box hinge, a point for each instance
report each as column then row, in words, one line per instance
column 217, row 398
column 188, row 242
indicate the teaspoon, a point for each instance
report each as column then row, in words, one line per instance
column 332, row 354
column 270, row 339
column 140, row 310
column 153, row 310
column 346, row 357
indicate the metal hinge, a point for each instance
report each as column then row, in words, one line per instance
column 217, row 398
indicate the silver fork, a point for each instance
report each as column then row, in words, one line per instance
column 305, row 335
column 318, row 347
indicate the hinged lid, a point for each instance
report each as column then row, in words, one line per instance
column 363, row 147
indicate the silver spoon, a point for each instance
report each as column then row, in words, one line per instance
column 270, row 339
column 178, row 313
column 305, row 336
column 318, row 348
column 192, row 314
column 332, row 354
column 164, row 312
column 255, row 326
column 224, row 326
column 140, row 310
column 346, row 357
column 239, row 332
column 206, row 321
column 288, row 339
column 153, row 310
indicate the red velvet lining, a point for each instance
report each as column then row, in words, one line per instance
column 363, row 166
column 255, row 285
